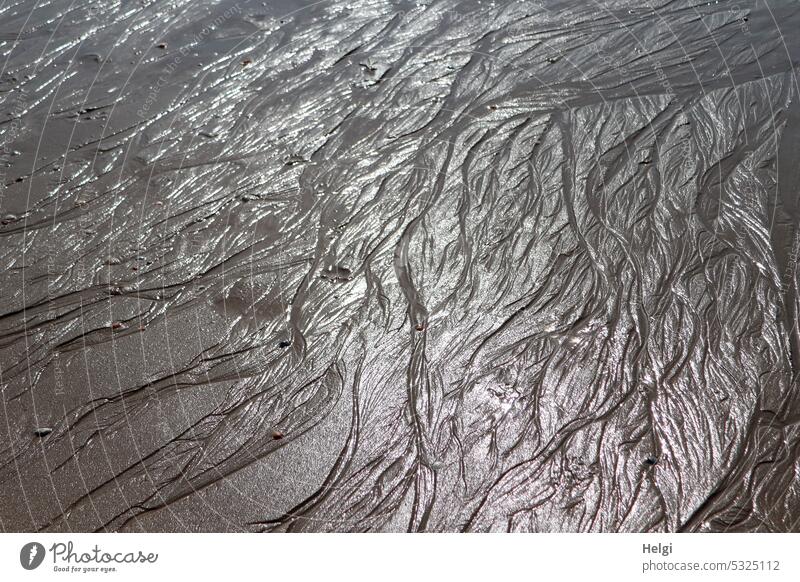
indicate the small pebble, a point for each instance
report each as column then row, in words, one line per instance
column 284, row 344
column 650, row 461
column 277, row 435
column 42, row 431
column 162, row 45
column 420, row 327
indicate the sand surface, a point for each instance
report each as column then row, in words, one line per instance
column 399, row 266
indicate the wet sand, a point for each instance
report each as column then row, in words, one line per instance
column 399, row 266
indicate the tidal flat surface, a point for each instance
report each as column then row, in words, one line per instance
column 399, row 266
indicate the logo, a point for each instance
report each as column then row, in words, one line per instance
column 31, row 555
